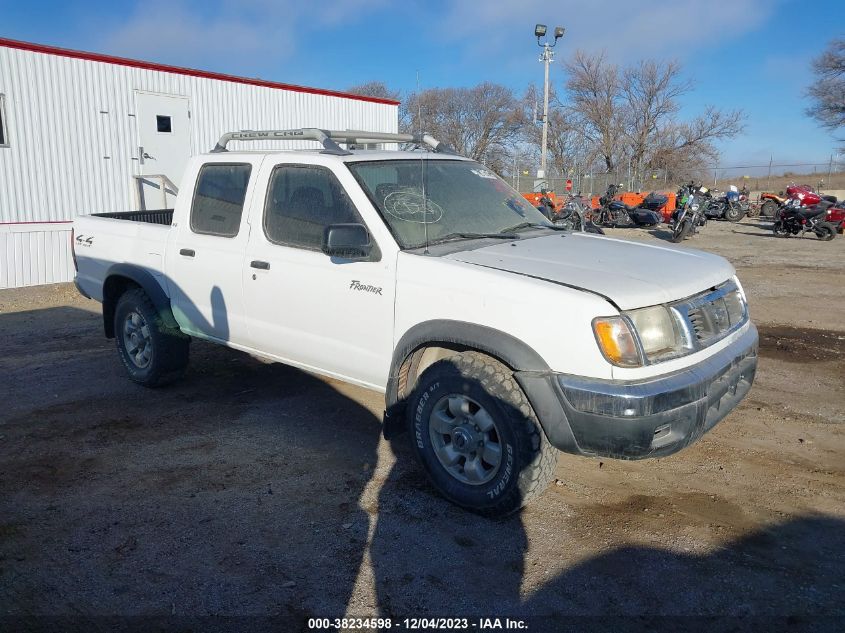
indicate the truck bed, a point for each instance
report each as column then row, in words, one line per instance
column 154, row 216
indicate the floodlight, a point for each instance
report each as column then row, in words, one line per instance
column 540, row 30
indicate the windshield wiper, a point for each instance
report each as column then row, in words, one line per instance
column 533, row 225
column 473, row 236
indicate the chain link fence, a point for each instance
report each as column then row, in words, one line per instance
column 822, row 176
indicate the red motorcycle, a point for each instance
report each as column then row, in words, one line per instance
column 796, row 196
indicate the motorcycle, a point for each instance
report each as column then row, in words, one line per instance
column 576, row 215
column 726, row 206
column 615, row 213
column 805, row 196
column 689, row 216
column 795, row 219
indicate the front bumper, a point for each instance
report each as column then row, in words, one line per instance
column 646, row 418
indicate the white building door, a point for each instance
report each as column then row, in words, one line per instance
column 164, row 139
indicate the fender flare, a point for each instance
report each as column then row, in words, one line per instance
column 514, row 353
column 148, row 284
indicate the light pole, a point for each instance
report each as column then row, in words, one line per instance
column 547, row 57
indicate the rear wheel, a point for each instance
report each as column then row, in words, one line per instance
column 825, row 231
column 769, row 209
column 152, row 353
column 476, row 435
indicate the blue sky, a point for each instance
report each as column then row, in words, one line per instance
column 748, row 54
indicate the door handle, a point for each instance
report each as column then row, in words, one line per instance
column 187, row 252
column 260, row 265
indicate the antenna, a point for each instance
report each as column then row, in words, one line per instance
column 422, row 167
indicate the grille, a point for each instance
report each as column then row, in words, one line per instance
column 714, row 314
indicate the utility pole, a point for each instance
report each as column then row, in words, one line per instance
column 546, row 58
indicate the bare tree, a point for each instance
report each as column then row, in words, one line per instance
column 482, row 122
column 594, row 92
column 377, row 89
column 828, row 92
column 651, row 91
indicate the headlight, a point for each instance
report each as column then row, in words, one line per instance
column 616, row 341
column 695, row 207
column 657, row 330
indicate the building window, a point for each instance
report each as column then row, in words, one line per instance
column 4, row 138
column 219, row 199
column 163, row 124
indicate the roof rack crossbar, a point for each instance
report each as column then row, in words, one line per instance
column 330, row 138
column 303, row 134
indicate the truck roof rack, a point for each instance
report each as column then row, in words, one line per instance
column 329, row 139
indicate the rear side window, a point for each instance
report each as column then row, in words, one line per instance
column 301, row 202
column 219, row 199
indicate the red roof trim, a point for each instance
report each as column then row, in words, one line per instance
column 134, row 63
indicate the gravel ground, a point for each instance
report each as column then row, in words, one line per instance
column 254, row 496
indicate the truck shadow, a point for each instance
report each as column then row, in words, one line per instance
column 246, row 491
column 236, row 492
column 785, row 575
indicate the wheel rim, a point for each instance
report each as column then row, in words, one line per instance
column 137, row 340
column 465, row 439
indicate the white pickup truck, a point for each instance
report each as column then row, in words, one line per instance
column 497, row 338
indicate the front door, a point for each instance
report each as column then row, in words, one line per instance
column 332, row 314
column 164, row 146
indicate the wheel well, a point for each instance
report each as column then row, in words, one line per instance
column 426, row 355
column 114, row 287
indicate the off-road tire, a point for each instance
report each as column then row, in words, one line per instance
column 528, row 460
column 825, row 231
column 170, row 347
column 769, row 209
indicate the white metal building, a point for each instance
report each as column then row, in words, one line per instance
column 85, row 133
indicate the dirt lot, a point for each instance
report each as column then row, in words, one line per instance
column 264, row 494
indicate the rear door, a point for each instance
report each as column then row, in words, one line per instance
column 206, row 257
column 164, row 146
column 330, row 314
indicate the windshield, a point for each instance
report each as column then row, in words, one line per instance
column 463, row 199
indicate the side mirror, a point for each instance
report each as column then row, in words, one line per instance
column 351, row 241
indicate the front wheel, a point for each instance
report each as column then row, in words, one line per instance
column 825, row 231
column 780, row 230
column 733, row 214
column 476, row 435
column 681, row 231
column 152, row 353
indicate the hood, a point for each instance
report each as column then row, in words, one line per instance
column 630, row 274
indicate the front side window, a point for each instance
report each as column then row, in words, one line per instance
column 219, row 199
column 4, row 139
column 428, row 199
column 302, row 201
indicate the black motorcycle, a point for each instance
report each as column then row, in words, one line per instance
column 576, row 215
column 689, row 216
column 617, row 214
column 797, row 220
column 725, row 207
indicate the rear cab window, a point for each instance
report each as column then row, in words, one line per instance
column 219, row 196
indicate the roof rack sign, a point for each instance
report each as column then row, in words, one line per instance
column 329, row 139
